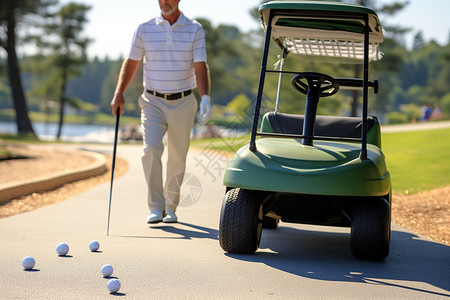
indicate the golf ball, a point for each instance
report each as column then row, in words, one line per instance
column 62, row 249
column 28, row 263
column 113, row 285
column 107, row 270
column 94, row 245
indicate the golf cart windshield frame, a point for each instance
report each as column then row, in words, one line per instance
column 324, row 11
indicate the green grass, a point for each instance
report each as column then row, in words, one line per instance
column 228, row 144
column 418, row 160
column 4, row 153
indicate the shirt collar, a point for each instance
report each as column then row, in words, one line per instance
column 181, row 19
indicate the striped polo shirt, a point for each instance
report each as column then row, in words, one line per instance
column 169, row 52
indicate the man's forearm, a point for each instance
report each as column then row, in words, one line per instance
column 126, row 75
column 202, row 77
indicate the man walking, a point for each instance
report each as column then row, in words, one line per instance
column 172, row 48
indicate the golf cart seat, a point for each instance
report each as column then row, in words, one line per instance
column 325, row 126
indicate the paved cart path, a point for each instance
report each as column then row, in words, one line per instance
column 415, row 126
column 185, row 261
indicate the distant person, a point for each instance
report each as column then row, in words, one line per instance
column 425, row 113
column 437, row 113
column 173, row 50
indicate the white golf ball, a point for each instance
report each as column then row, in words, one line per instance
column 62, row 249
column 28, row 263
column 113, row 285
column 94, row 245
column 107, row 270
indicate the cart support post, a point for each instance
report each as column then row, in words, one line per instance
column 262, row 77
column 363, row 154
column 280, row 77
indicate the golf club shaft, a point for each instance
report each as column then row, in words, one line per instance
column 116, row 133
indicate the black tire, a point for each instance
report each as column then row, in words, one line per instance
column 270, row 223
column 371, row 229
column 240, row 225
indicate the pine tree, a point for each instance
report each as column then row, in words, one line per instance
column 13, row 13
column 66, row 47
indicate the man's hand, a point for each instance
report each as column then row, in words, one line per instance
column 118, row 101
column 205, row 109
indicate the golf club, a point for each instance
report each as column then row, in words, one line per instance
column 116, row 132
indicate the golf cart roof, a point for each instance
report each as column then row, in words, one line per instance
column 323, row 28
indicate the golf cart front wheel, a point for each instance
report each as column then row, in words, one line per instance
column 241, row 219
column 371, row 229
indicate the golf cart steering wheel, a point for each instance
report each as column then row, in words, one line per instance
column 323, row 84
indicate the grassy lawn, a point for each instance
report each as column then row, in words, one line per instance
column 418, row 160
column 4, row 154
column 230, row 144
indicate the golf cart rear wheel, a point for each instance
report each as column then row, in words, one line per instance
column 371, row 229
column 240, row 225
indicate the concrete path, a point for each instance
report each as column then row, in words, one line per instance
column 420, row 126
column 185, row 261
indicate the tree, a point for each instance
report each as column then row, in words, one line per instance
column 239, row 105
column 448, row 40
column 12, row 13
column 445, row 105
column 67, row 48
column 229, row 59
column 391, row 61
column 419, row 41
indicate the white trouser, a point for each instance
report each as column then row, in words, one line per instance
column 176, row 117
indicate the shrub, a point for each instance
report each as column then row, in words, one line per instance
column 445, row 105
column 412, row 111
column 396, row 117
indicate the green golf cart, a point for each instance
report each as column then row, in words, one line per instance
column 310, row 168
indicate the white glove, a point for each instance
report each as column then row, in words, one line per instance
column 205, row 109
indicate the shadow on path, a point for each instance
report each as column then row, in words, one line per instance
column 198, row 232
column 327, row 256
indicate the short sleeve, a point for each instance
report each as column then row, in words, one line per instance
column 137, row 50
column 199, row 45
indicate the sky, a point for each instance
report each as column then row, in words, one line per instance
column 112, row 23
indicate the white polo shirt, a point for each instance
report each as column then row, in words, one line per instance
column 169, row 53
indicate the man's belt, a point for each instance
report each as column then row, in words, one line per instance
column 173, row 96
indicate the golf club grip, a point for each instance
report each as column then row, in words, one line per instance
column 116, row 133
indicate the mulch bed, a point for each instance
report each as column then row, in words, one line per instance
column 38, row 161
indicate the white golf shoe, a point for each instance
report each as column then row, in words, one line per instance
column 170, row 217
column 155, row 217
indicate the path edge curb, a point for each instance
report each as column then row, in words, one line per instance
column 15, row 190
